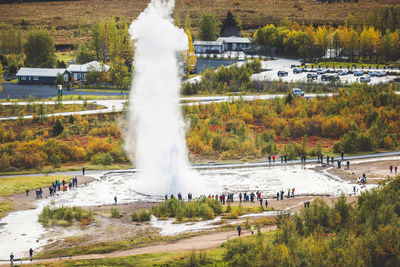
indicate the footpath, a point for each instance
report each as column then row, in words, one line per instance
column 202, row 242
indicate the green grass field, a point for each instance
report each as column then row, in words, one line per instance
column 18, row 184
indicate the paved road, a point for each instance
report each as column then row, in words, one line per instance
column 213, row 165
column 109, row 106
column 116, row 105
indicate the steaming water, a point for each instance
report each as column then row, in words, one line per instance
column 156, row 122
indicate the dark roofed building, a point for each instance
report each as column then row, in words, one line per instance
column 38, row 75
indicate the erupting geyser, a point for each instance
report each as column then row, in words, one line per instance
column 155, row 119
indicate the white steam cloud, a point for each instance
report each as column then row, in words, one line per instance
column 155, row 118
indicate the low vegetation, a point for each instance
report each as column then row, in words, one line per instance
column 182, row 211
column 65, row 216
column 40, row 109
column 359, row 118
column 341, row 235
column 142, row 216
column 5, row 206
column 115, row 213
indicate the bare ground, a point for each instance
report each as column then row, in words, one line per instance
column 107, row 229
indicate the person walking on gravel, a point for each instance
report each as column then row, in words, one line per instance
column 239, row 229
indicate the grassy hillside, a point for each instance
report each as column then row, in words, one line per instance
column 69, row 21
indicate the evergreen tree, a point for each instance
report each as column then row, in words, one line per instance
column 208, row 27
column 58, row 127
column 230, row 26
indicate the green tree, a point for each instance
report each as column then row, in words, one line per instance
column 58, row 127
column 230, row 26
column 83, row 54
column 208, row 27
column 39, row 49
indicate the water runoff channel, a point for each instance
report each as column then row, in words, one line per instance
column 21, row 230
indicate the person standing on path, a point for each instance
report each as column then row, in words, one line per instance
column 27, row 192
column 239, row 229
column 348, row 165
column 12, row 259
column 31, row 253
column 395, row 169
column 391, row 168
column 266, row 203
column 342, row 155
column 115, row 200
column 252, row 229
column 83, row 171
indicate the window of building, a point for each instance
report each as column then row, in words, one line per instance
column 35, row 78
column 23, row 78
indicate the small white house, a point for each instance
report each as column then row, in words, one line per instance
column 209, row 47
column 234, row 43
column 78, row 71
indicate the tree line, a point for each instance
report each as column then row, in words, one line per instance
column 304, row 41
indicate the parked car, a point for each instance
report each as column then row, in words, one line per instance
column 373, row 73
column 321, row 71
column 297, row 70
column 380, row 73
column 358, row 73
column 282, row 73
column 343, row 72
column 312, row 76
column 329, row 77
column 365, row 79
column 241, row 57
column 297, row 92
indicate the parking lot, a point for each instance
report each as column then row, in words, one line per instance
column 285, row 65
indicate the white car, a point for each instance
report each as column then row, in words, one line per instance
column 297, row 92
column 365, row 79
column 321, row 71
column 343, row 72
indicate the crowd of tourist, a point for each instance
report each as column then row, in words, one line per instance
column 55, row 186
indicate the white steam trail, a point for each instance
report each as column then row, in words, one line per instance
column 155, row 120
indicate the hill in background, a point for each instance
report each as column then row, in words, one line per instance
column 70, row 21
